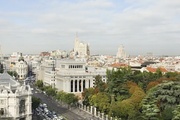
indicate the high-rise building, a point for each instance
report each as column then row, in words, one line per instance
column 121, row 53
column 81, row 49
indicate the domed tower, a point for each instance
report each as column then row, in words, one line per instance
column 21, row 68
column 21, row 58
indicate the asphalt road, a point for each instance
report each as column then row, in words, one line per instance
column 53, row 105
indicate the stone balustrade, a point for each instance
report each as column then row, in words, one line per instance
column 93, row 110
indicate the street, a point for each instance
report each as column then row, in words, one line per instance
column 60, row 110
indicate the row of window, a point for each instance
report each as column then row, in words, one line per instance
column 78, row 76
column 75, row 66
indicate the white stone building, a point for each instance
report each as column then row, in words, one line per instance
column 59, row 53
column 74, row 76
column 21, row 68
column 15, row 100
column 121, row 53
column 44, row 70
column 81, row 49
column 71, row 76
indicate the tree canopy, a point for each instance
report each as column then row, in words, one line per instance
column 132, row 95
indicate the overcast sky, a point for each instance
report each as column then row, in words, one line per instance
column 142, row 26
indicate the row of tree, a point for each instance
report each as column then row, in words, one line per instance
column 66, row 98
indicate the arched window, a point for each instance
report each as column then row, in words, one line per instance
column 1, row 111
column 22, row 106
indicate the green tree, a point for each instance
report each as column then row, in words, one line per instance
column 99, row 84
column 86, row 94
column 158, row 73
column 12, row 73
column 176, row 113
column 70, row 99
column 129, row 108
column 116, row 82
column 35, row 102
column 101, row 100
column 39, row 84
column 167, row 114
column 171, row 74
column 50, row 91
column 160, row 100
column 60, row 95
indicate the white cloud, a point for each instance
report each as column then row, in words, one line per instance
column 133, row 23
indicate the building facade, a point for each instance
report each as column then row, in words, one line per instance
column 81, row 49
column 74, row 76
column 44, row 71
column 21, row 68
column 15, row 100
column 71, row 76
column 121, row 53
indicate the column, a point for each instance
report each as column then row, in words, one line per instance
column 95, row 111
column 68, row 83
column 88, row 108
column 91, row 109
column 87, row 83
column 77, row 85
column 99, row 114
column 103, row 116
column 106, row 117
column 82, row 85
column 73, row 85
column 84, row 107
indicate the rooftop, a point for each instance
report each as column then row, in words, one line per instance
column 7, row 80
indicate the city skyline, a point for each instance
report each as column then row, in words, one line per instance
column 44, row 25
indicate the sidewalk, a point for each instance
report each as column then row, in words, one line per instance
column 84, row 114
column 76, row 110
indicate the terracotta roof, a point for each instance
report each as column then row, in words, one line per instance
column 118, row 65
column 44, row 54
column 150, row 69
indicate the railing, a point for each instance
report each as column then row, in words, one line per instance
column 93, row 110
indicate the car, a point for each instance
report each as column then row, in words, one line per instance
column 44, row 105
column 54, row 113
column 37, row 109
column 46, row 110
column 60, row 118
